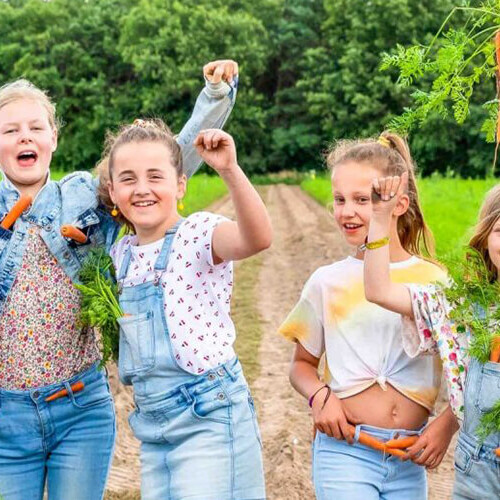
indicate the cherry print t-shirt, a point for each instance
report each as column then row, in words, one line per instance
column 197, row 292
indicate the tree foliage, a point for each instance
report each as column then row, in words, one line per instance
column 310, row 72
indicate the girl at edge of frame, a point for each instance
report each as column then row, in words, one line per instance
column 370, row 384
column 473, row 388
column 194, row 413
column 66, row 444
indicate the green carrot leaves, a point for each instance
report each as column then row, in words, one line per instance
column 99, row 304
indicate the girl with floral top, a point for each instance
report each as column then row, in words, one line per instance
column 473, row 387
column 194, row 413
column 66, row 443
column 370, row 383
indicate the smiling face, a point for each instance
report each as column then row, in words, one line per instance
column 27, row 142
column 352, row 187
column 145, row 187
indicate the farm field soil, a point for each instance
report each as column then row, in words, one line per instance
column 304, row 239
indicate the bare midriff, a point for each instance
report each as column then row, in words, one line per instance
column 388, row 409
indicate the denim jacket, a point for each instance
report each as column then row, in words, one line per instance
column 73, row 200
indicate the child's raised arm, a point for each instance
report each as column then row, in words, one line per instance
column 212, row 109
column 252, row 231
column 377, row 280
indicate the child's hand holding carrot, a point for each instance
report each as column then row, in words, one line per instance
column 431, row 447
column 332, row 418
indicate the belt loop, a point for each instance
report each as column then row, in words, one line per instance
column 185, row 393
column 477, row 451
column 357, row 430
column 229, row 371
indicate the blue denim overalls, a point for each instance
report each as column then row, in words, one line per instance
column 199, row 433
column 477, row 469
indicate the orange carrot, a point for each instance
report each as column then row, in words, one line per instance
column 76, row 387
column 402, row 443
column 19, row 207
column 497, row 452
column 72, row 232
column 495, row 350
column 374, row 443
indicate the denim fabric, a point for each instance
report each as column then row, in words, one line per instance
column 199, row 434
column 477, row 468
column 355, row 472
column 67, row 443
column 73, row 200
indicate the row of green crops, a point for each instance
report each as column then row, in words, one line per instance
column 450, row 206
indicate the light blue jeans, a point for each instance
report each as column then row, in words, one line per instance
column 201, row 441
column 477, row 468
column 67, row 443
column 355, row 472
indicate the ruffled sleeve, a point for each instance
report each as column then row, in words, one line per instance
column 431, row 332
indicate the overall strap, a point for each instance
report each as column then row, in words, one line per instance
column 162, row 259
column 122, row 273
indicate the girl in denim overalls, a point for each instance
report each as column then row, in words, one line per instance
column 66, row 443
column 473, row 388
column 194, row 414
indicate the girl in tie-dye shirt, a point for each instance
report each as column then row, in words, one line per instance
column 369, row 380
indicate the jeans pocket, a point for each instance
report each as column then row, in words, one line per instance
column 463, row 459
column 213, row 405
column 91, row 396
column 489, row 386
column 137, row 344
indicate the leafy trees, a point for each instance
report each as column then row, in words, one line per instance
column 309, row 72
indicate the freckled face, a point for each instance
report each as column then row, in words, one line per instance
column 27, row 142
column 352, row 187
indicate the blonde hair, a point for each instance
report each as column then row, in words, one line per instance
column 390, row 154
column 23, row 89
column 488, row 216
column 151, row 130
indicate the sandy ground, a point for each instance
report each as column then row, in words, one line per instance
column 304, row 239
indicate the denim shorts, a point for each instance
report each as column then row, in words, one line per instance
column 66, row 443
column 355, row 472
column 201, row 441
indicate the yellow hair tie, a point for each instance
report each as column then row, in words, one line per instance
column 383, row 141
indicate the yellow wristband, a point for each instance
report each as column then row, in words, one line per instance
column 373, row 245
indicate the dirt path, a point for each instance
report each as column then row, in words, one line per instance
column 304, row 239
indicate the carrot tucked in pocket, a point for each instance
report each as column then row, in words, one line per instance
column 495, row 350
column 72, row 232
column 19, row 207
column 76, row 387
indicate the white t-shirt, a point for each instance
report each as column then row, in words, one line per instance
column 363, row 342
column 197, row 293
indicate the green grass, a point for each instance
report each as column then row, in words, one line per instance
column 450, row 206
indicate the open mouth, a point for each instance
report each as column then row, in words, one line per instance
column 27, row 158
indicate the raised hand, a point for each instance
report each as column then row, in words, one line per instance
column 387, row 191
column 223, row 69
column 217, row 149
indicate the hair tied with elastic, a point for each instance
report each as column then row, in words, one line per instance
column 383, row 141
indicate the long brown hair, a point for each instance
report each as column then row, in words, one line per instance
column 488, row 216
column 390, row 154
column 151, row 130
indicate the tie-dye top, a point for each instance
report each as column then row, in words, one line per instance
column 363, row 342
